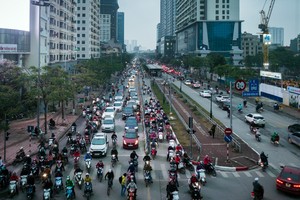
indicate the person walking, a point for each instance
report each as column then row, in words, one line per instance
column 123, row 184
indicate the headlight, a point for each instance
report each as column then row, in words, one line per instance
column 124, row 142
column 126, row 128
column 91, row 150
column 136, row 128
column 136, row 142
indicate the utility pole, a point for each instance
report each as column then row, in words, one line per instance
column 190, row 130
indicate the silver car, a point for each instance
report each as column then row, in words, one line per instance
column 108, row 125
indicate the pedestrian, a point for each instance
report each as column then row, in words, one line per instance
column 123, row 184
column 212, row 131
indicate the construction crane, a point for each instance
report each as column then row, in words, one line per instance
column 266, row 37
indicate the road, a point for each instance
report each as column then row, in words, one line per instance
column 228, row 185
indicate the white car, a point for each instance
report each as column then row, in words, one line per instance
column 222, row 98
column 132, row 89
column 188, row 82
column 255, row 118
column 119, row 98
column 205, row 93
column 108, row 125
column 99, row 145
column 136, row 98
column 118, row 105
column 109, row 112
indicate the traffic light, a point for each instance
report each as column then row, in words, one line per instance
column 7, row 136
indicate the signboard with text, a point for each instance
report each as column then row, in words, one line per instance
column 253, row 89
column 268, row 74
column 8, row 48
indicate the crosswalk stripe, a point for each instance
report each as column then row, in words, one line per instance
column 235, row 174
column 248, row 174
column 272, row 165
column 224, row 174
column 259, row 174
column 270, row 173
column 153, row 174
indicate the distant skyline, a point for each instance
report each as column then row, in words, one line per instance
column 142, row 17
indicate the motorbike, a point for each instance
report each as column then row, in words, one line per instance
column 160, row 136
column 131, row 194
column 44, row 177
column 58, row 186
column 113, row 160
column 50, row 143
column 12, row 188
column 69, row 140
column 188, row 165
column 194, row 187
column 23, row 182
column 79, row 179
column 264, row 165
column 29, row 191
column 195, row 193
column 83, row 113
column 20, row 156
column 114, row 143
column 88, row 165
column 147, row 177
column 76, row 162
column 46, row 194
column 59, row 166
column 69, row 193
column 171, row 154
column 201, row 176
column 211, row 170
column 65, row 157
column 100, row 173
column 88, row 190
column 153, row 152
column 175, row 195
column 275, row 141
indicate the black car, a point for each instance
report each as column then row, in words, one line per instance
column 224, row 105
column 127, row 112
column 294, row 128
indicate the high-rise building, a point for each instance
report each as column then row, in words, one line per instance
column 120, row 27
column 251, row 44
column 277, row 35
column 167, row 17
column 110, row 7
column 105, row 24
column 88, row 29
column 209, row 26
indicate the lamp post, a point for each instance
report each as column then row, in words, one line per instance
column 39, row 3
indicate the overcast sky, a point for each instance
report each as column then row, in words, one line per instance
column 142, row 16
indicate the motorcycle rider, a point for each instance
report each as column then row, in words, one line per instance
column 192, row 180
column 77, row 170
column 275, row 137
column 69, row 183
column 200, row 166
column 146, row 157
column 240, row 107
column 28, row 160
column 169, row 149
column 100, row 164
column 186, row 159
column 52, row 123
column 264, row 158
column 87, row 179
column 178, row 149
column 114, row 151
column 30, row 181
column 134, row 156
column 171, row 187
column 206, row 162
column 87, row 156
column 258, row 190
column 110, row 176
column 132, row 185
column 114, row 136
column 48, row 185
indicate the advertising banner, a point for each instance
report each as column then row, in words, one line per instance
column 8, row 48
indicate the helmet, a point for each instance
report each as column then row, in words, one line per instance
column 21, row 148
column 133, row 152
column 109, row 170
column 194, row 175
column 88, row 152
column 206, row 156
column 131, row 163
column 256, row 179
column 14, row 174
column 68, row 177
column 28, row 155
column 87, row 174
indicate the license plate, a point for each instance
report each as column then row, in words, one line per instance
column 97, row 154
column 130, row 145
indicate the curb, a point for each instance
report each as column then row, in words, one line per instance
column 225, row 168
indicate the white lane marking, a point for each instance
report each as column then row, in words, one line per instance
column 224, row 174
column 248, row 174
column 259, row 174
column 271, row 174
column 235, row 174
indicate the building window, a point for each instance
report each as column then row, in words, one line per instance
column 83, row 35
column 83, row 15
column 78, row 1
column 223, row 12
column 83, row 28
column 78, row 42
column 227, row 12
column 83, row 21
column 217, row 17
column 78, row 15
column 83, row 49
column 217, row 1
column 82, row 42
column 78, row 35
column 217, row 12
column 217, row 6
column 83, row 55
column 78, row 21
column 78, row 8
column 83, row 1
column 83, row 8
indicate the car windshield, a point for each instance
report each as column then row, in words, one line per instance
column 118, row 97
column 131, row 103
column 109, row 110
column 130, row 135
column 131, row 122
column 258, row 117
column 98, row 141
column 128, row 109
column 108, row 121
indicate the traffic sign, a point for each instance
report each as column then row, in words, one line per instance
column 250, row 94
column 228, row 138
column 227, row 131
column 240, row 85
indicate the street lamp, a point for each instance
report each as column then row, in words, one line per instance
column 39, row 3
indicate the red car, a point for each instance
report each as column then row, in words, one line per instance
column 130, row 139
column 289, row 180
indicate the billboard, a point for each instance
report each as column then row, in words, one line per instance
column 8, row 48
column 269, row 74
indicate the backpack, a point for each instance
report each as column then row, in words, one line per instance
column 120, row 179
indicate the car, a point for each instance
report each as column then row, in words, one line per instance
column 188, row 82
column 133, row 104
column 131, row 79
column 133, row 94
column 131, row 89
column 205, row 93
column 130, row 139
column 136, row 99
column 108, row 124
column 118, row 105
column 99, row 145
column 131, row 123
column 109, row 112
column 255, row 118
column 222, row 98
column 294, row 138
column 289, row 180
column 294, row 128
column 127, row 112
column 196, row 85
column 118, row 97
